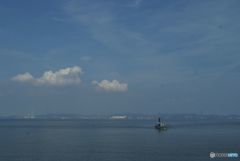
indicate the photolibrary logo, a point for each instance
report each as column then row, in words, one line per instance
column 223, row 155
column 212, row 155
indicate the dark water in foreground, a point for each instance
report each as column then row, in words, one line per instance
column 119, row 140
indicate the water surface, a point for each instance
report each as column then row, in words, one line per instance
column 115, row 140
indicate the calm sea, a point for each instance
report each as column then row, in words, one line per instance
column 115, row 140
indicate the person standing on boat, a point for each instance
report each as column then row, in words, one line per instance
column 159, row 121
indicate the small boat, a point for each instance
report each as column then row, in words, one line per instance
column 160, row 125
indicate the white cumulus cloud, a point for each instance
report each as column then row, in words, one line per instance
column 66, row 76
column 113, row 86
column 26, row 77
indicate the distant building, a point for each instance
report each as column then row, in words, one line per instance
column 29, row 116
column 119, row 117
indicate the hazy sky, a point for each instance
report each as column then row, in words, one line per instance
column 114, row 56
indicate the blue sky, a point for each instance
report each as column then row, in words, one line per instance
column 165, row 56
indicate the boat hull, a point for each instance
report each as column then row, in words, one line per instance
column 160, row 127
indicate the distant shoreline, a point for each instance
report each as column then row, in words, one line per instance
column 176, row 117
